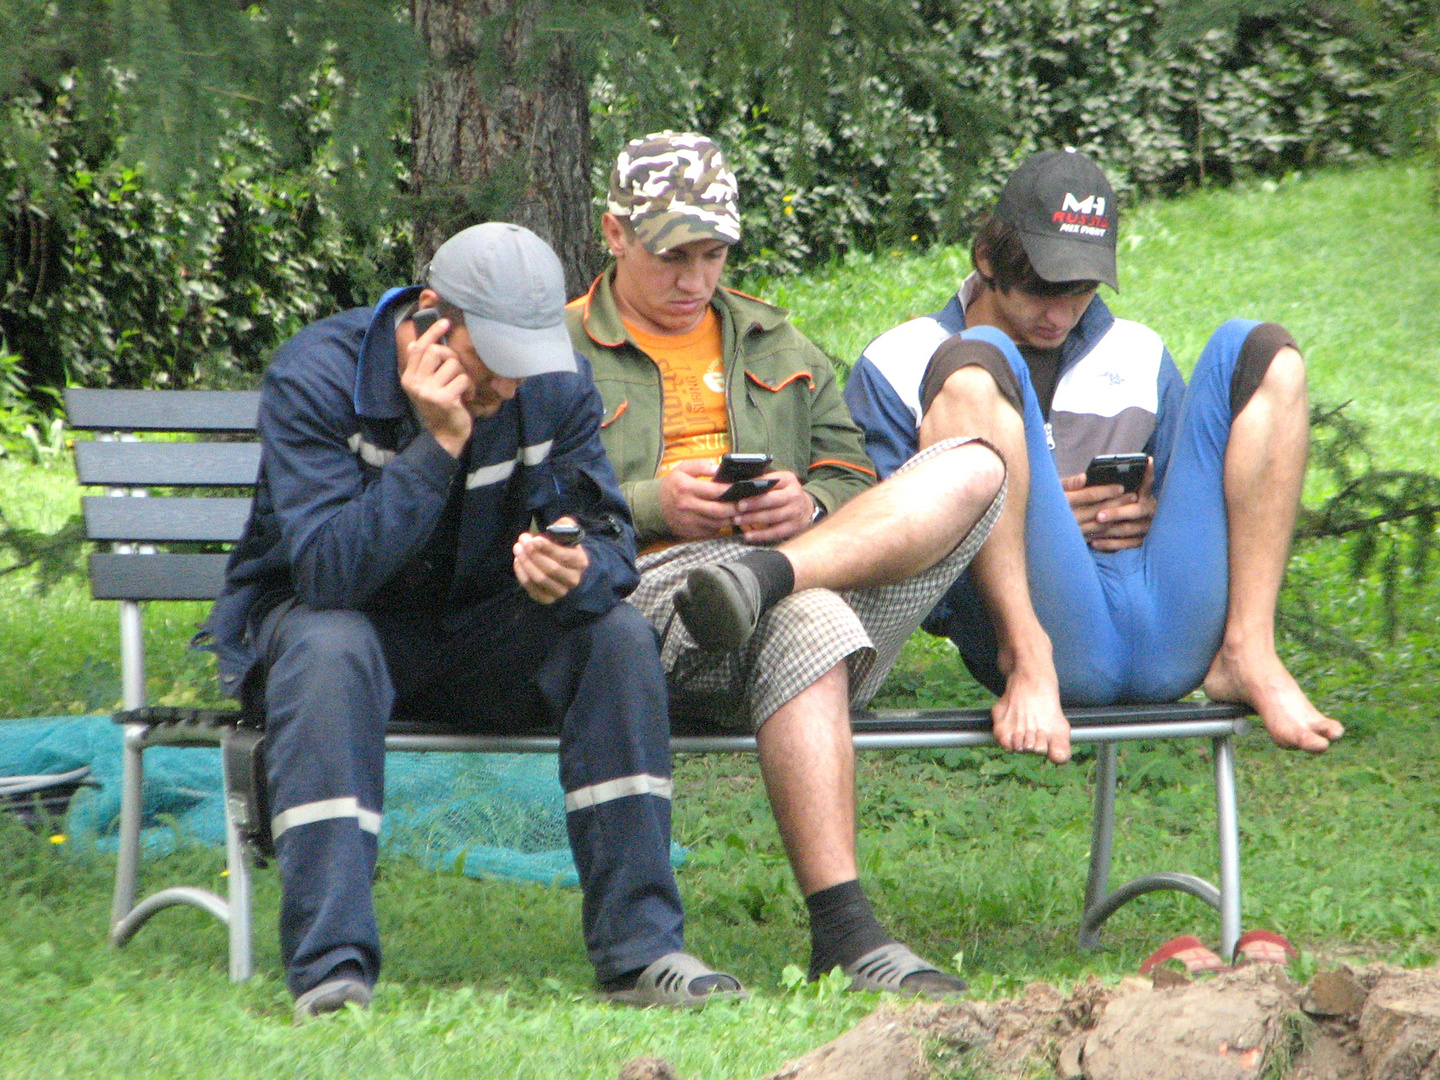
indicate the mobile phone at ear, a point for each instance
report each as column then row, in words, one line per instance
column 565, row 532
column 1127, row 470
column 745, row 489
column 424, row 319
column 741, row 467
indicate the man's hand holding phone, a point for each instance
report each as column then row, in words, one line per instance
column 701, row 502
column 550, row 563
column 1110, row 517
column 435, row 383
column 777, row 514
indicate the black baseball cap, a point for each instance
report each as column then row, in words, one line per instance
column 1066, row 214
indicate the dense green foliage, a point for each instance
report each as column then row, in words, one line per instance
column 879, row 156
column 114, row 281
column 132, row 258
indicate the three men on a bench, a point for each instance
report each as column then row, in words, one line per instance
column 779, row 640
column 1087, row 593
column 389, row 564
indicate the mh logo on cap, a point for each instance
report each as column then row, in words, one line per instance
column 1083, row 216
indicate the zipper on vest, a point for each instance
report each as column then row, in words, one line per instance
column 1049, row 436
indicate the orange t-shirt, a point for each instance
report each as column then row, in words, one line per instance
column 692, row 391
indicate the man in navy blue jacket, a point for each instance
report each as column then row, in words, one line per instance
column 1087, row 591
column 390, row 560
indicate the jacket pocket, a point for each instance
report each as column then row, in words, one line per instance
column 782, row 411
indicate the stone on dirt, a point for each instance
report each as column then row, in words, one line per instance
column 1334, row 993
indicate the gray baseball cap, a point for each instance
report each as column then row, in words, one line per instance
column 511, row 287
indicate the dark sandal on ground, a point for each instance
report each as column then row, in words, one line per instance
column 331, row 996
column 720, row 605
column 895, row 969
column 680, row 980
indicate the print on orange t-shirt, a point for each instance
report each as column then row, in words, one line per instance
column 692, row 391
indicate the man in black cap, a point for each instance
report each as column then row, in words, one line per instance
column 390, row 562
column 1091, row 590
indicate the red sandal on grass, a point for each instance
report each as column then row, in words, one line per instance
column 1189, row 950
column 1254, row 947
column 1264, row 947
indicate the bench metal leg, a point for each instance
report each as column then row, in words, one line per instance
column 127, row 860
column 237, row 862
column 1101, row 902
column 127, row 917
column 1227, row 826
column 1097, row 885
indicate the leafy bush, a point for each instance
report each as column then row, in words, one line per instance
column 110, row 281
column 879, row 159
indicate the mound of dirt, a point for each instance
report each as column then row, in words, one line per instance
column 1370, row 1023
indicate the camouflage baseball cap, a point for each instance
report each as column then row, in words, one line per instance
column 675, row 187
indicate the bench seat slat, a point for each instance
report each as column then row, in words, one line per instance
column 115, row 576
column 137, row 464
column 162, row 520
column 161, row 410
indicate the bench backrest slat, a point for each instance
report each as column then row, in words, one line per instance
column 161, row 410
column 142, row 464
column 163, row 520
column 156, row 577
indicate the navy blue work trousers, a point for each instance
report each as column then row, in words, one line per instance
column 332, row 678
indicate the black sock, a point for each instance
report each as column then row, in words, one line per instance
column 773, row 571
column 843, row 928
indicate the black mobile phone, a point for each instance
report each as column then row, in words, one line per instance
column 744, row 489
column 741, row 467
column 565, row 532
column 424, row 319
column 1127, row 470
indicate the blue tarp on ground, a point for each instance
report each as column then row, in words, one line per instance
column 487, row 815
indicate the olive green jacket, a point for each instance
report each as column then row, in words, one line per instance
column 780, row 394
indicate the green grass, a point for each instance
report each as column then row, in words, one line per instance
column 968, row 854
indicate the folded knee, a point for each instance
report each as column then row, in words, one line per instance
column 329, row 640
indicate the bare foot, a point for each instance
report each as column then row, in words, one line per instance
column 1028, row 717
column 1260, row 680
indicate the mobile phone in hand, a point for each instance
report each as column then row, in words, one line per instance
column 565, row 532
column 424, row 319
column 1127, row 470
column 741, row 467
column 745, row 489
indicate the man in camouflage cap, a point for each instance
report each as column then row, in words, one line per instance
column 776, row 640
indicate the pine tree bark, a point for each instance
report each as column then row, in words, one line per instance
column 502, row 131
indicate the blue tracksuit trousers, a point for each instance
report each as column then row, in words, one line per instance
column 1141, row 625
column 333, row 678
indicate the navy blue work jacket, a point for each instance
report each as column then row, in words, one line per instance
column 358, row 507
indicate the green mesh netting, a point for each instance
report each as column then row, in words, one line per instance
column 500, row 815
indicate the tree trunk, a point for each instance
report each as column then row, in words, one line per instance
column 502, row 131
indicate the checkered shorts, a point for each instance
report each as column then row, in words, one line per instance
column 799, row 639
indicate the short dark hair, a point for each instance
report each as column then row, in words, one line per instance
column 1010, row 267
column 450, row 312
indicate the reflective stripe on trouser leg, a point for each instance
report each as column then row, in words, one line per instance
column 604, row 680
column 327, row 695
